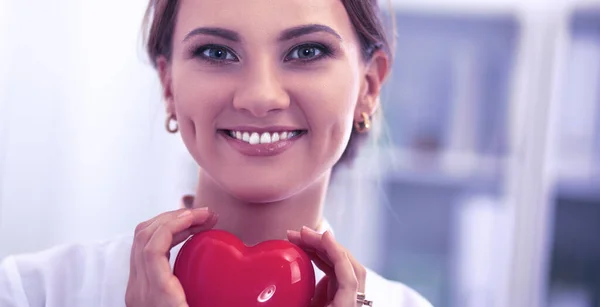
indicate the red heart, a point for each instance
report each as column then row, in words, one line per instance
column 216, row 269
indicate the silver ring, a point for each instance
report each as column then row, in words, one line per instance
column 361, row 298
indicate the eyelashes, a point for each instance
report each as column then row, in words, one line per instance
column 221, row 55
column 308, row 52
column 215, row 54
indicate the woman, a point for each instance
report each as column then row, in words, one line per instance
column 268, row 97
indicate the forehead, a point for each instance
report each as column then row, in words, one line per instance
column 262, row 16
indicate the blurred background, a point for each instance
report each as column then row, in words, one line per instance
column 484, row 190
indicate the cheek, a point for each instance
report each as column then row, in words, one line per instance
column 195, row 92
column 328, row 101
column 198, row 98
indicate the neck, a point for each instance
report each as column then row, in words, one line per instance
column 257, row 222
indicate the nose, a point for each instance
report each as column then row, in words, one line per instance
column 261, row 91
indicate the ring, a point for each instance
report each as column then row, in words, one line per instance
column 361, row 298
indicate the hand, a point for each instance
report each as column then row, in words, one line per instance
column 344, row 276
column 151, row 281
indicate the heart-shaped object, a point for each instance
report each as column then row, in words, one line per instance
column 216, row 269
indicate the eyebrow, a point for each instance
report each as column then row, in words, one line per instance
column 307, row 29
column 286, row 35
column 218, row 32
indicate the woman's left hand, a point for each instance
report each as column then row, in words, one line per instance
column 344, row 276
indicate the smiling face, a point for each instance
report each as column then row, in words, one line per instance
column 265, row 92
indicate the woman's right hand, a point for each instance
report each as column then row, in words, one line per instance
column 151, row 280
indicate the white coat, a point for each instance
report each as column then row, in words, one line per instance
column 96, row 275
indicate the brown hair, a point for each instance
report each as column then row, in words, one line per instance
column 365, row 15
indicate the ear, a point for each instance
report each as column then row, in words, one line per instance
column 164, row 71
column 377, row 70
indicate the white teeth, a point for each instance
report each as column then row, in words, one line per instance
column 265, row 138
column 254, row 139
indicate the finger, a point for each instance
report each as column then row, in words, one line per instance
column 200, row 223
column 141, row 237
column 157, row 265
column 144, row 237
column 320, row 298
column 198, row 217
column 344, row 272
column 314, row 239
column 337, row 257
column 321, row 264
column 316, row 253
column 311, row 238
column 359, row 271
column 294, row 237
column 143, row 233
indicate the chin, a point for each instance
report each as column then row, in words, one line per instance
column 262, row 187
column 261, row 192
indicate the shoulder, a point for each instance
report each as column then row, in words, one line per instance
column 385, row 292
column 66, row 275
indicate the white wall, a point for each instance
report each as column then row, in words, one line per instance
column 81, row 125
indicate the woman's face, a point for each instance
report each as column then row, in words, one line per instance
column 265, row 91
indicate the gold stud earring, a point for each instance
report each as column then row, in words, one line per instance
column 170, row 119
column 363, row 126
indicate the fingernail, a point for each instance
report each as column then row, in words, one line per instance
column 211, row 215
column 307, row 229
column 202, row 209
column 213, row 218
column 328, row 234
column 184, row 214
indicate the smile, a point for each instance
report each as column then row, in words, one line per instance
column 262, row 143
column 255, row 138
